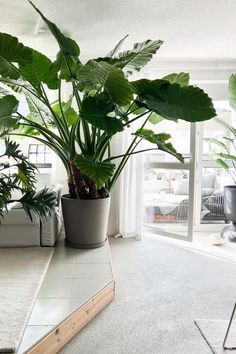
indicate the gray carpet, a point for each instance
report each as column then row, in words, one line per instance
column 161, row 289
column 213, row 331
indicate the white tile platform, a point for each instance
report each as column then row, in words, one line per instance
column 73, row 277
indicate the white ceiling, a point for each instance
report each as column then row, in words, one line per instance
column 204, row 29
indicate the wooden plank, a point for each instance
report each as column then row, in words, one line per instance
column 62, row 334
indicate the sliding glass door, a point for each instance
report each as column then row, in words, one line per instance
column 182, row 198
column 169, row 184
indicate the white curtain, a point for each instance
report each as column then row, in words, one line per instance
column 126, row 210
column 126, row 199
column 58, row 173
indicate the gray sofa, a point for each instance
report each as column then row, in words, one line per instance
column 173, row 206
column 17, row 230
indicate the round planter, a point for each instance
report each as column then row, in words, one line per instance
column 229, row 232
column 85, row 221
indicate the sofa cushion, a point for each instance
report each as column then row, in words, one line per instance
column 207, row 192
column 209, row 184
column 183, row 188
column 208, row 181
column 18, row 217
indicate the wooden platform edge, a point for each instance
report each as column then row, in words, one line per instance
column 63, row 333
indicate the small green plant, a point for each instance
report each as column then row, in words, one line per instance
column 223, row 149
column 17, row 175
column 103, row 103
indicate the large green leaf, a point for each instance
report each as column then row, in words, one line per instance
column 98, row 171
column 172, row 101
column 18, row 86
column 161, row 140
column 95, row 110
column 38, row 112
column 6, row 124
column 145, row 86
column 40, row 71
column 7, row 70
column 136, row 58
column 232, row 91
column 155, row 118
column 66, row 68
column 181, row 78
column 8, row 105
column 94, row 75
column 12, row 51
column 68, row 46
column 69, row 113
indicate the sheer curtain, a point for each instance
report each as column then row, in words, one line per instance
column 126, row 198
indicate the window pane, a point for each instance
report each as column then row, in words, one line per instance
column 180, row 138
column 166, row 199
column 212, row 199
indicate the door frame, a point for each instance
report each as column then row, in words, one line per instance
column 190, row 166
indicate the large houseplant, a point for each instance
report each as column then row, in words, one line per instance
column 103, row 103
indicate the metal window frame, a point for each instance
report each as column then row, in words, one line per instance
column 43, row 164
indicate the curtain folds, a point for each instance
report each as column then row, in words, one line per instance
column 126, row 198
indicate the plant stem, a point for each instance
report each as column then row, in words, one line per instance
column 134, row 119
column 125, row 158
column 86, row 131
column 61, row 109
column 131, row 153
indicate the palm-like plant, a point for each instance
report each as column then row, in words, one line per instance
column 22, row 180
column 103, row 103
column 223, row 149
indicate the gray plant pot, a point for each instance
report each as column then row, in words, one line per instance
column 229, row 232
column 85, row 221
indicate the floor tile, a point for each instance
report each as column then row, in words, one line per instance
column 74, row 276
column 100, row 250
column 86, row 288
column 60, row 270
column 49, row 312
column 89, row 257
column 92, row 271
column 55, row 288
column 75, row 304
column 64, row 255
column 31, row 335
